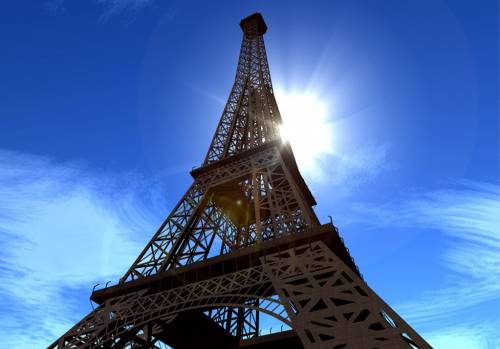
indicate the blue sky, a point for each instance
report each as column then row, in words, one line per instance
column 106, row 105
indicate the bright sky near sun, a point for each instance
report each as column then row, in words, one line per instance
column 391, row 108
column 307, row 126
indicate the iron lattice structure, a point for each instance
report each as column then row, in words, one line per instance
column 243, row 241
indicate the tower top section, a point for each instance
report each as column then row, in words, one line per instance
column 251, row 116
column 253, row 25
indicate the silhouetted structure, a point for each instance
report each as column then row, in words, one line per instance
column 243, row 241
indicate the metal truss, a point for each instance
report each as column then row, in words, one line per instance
column 241, row 322
column 330, row 306
column 140, row 338
column 251, row 116
column 153, row 258
column 306, row 287
column 248, row 193
column 249, row 289
column 229, row 207
column 240, row 166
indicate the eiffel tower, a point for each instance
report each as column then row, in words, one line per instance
column 243, row 243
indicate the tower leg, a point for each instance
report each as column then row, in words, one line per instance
column 330, row 306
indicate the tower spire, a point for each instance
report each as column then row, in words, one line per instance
column 251, row 116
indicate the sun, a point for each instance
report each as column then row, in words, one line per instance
column 306, row 126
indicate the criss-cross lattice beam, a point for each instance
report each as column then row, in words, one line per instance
column 154, row 256
column 238, row 321
column 251, row 116
column 120, row 315
column 330, row 306
column 199, row 228
column 307, row 287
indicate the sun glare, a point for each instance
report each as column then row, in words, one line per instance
column 306, row 127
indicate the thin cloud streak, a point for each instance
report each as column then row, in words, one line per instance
column 472, row 336
column 352, row 167
column 206, row 93
column 62, row 229
column 111, row 7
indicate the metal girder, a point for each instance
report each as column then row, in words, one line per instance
column 120, row 315
column 330, row 306
column 230, row 206
column 251, row 116
column 306, row 287
column 152, row 259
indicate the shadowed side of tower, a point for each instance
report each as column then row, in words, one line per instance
column 243, row 242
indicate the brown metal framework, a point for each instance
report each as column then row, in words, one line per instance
column 243, row 241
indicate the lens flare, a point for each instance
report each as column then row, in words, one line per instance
column 306, row 127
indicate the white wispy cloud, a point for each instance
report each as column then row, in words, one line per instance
column 471, row 336
column 110, row 7
column 350, row 168
column 55, row 6
column 469, row 216
column 220, row 101
column 62, row 229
